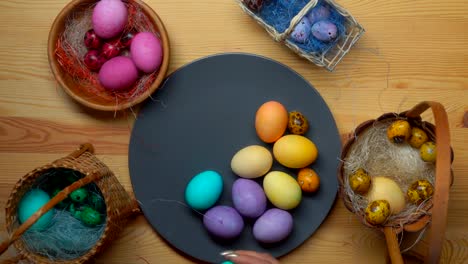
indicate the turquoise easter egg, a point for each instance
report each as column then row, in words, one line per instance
column 204, row 190
column 30, row 203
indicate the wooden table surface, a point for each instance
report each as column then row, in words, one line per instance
column 412, row 51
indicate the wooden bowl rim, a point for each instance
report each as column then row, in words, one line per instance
column 53, row 36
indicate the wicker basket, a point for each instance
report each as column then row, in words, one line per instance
column 435, row 217
column 330, row 58
column 119, row 204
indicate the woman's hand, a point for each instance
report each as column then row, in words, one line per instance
column 249, row 257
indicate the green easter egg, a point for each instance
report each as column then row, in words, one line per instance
column 77, row 214
column 30, row 203
column 72, row 208
column 97, row 202
column 90, row 217
column 79, row 195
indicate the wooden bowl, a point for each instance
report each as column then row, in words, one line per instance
column 82, row 95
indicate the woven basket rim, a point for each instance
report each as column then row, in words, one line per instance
column 319, row 60
column 10, row 215
column 111, row 219
column 428, row 127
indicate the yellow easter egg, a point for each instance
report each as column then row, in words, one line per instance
column 252, row 161
column 384, row 188
column 295, row 151
column 282, row 190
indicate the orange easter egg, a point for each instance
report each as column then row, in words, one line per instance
column 271, row 121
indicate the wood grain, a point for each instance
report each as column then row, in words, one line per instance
column 412, row 51
column 43, row 136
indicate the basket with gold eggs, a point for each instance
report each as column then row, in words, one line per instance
column 395, row 175
column 320, row 31
column 66, row 211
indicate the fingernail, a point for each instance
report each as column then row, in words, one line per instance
column 227, row 252
column 232, row 255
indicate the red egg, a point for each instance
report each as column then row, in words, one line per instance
column 92, row 60
column 110, row 50
column 126, row 40
column 254, row 5
column 91, row 40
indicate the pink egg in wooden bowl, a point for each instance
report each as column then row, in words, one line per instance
column 92, row 54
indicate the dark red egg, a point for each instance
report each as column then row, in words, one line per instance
column 91, row 40
column 110, row 50
column 254, row 5
column 92, row 60
column 126, row 39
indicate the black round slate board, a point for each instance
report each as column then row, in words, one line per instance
column 199, row 118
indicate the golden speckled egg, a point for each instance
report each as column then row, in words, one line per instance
column 297, row 123
column 428, row 151
column 360, row 181
column 377, row 212
column 399, row 131
column 418, row 137
column 420, row 191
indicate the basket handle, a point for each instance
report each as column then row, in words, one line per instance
column 442, row 180
column 62, row 195
column 86, row 147
column 392, row 245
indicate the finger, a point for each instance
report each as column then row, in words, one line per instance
column 257, row 255
column 245, row 259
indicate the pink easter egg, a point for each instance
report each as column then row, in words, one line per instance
column 118, row 74
column 146, row 52
column 109, row 18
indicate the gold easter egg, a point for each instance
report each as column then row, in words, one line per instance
column 418, row 137
column 399, row 131
column 360, row 181
column 428, row 151
column 420, row 191
column 377, row 212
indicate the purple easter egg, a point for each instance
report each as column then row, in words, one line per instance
column 223, row 222
column 324, row 30
column 302, row 31
column 318, row 13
